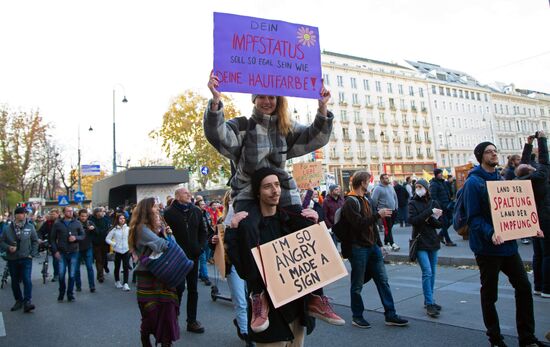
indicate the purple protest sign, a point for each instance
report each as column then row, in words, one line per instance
column 268, row 57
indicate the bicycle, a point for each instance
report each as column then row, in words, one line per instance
column 45, row 245
column 5, row 273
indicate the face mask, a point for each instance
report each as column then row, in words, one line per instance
column 420, row 192
column 315, row 199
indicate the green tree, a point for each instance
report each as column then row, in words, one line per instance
column 183, row 137
column 22, row 136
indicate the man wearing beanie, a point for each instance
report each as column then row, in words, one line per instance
column 332, row 203
column 494, row 255
column 288, row 322
column 439, row 191
column 20, row 242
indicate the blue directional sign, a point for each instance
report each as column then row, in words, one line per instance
column 204, row 170
column 79, row 197
column 63, row 200
column 91, row 170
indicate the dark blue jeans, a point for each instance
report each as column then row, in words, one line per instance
column 427, row 260
column 369, row 259
column 541, row 264
column 67, row 260
column 20, row 271
column 88, row 256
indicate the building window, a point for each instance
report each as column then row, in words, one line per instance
column 448, row 91
column 357, row 117
column 435, row 104
column 508, row 112
column 366, row 84
column 411, row 90
column 353, row 83
column 478, row 97
column 341, row 97
column 345, row 133
column 343, row 115
column 367, row 99
column 326, row 80
column 501, row 109
column 355, row 99
column 441, row 91
column 380, row 101
column 408, row 150
column 460, row 95
column 378, row 86
column 390, row 90
column 454, row 92
column 400, row 89
column 434, row 90
column 421, row 92
column 486, row 99
column 467, row 94
column 340, row 81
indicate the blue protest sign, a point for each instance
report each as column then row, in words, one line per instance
column 91, row 170
column 63, row 200
column 204, row 170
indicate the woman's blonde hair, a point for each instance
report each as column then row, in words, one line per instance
column 284, row 121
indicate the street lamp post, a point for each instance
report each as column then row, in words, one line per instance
column 79, row 164
column 114, row 123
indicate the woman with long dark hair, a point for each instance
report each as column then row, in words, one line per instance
column 424, row 214
column 158, row 303
column 118, row 239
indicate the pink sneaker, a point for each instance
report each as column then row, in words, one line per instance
column 319, row 307
column 260, row 312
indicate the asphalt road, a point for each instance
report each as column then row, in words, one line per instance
column 111, row 317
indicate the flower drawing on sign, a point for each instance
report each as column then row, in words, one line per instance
column 306, row 37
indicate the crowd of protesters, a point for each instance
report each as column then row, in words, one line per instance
column 264, row 204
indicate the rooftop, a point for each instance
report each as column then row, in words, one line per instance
column 366, row 60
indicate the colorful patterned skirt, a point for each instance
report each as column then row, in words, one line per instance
column 159, row 307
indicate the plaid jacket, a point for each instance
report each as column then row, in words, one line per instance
column 263, row 146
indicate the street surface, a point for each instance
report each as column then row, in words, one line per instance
column 111, row 317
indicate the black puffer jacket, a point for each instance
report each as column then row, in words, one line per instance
column 420, row 216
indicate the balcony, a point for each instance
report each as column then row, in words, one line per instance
column 430, row 155
column 334, row 156
column 383, row 122
column 424, row 110
column 369, row 105
column 343, row 103
column 410, row 156
column 381, row 106
column 395, row 140
column 360, row 139
column 413, row 108
column 403, row 109
column 406, row 123
column 344, row 120
column 417, row 140
column 392, row 107
column 371, row 121
column 398, row 156
column 428, row 140
column 356, row 105
column 362, row 156
column 385, row 139
column 387, row 156
column 374, row 157
column 358, row 121
column 407, row 140
column 426, row 124
column 394, row 123
column 416, row 124
column 420, row 156
column 373, row 140
column 348, row 156
column 346, row 138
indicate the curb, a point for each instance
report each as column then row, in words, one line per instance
column 447, row 261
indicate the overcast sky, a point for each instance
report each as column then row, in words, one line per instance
column 65, row 56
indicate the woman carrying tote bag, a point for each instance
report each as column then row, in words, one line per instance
column 424, row 214
column 158, row 303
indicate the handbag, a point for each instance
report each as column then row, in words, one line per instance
column 171, row 267
column 413, row 248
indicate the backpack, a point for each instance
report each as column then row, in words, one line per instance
column 341, row 229
column 459, row 214
column 246, row 124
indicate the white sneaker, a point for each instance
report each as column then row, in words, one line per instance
column 118, row 284
column 126, row 287
column 387, row 248
column 395, row 247
column 544, row 295
column 537, row 292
